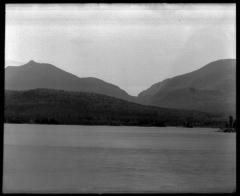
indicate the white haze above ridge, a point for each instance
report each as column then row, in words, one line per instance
column 132, row 46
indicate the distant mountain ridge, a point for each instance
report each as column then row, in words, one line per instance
column 211, row 88
column 42, row 75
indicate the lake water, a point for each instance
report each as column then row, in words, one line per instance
column 102, row 159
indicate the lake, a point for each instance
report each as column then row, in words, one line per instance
column 103, row 159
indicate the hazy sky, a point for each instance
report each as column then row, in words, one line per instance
column 132, row 46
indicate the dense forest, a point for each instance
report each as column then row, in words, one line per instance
column 47, row 106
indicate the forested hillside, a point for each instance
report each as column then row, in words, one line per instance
column 64, row 107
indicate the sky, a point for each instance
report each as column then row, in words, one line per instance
column 130, row 45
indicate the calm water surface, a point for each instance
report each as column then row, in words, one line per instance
column 101, row 159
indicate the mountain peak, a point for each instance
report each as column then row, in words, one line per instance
column 31, row 61
column 214, row 92
column 34, row 75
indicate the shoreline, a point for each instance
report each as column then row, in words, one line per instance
column 108, row 125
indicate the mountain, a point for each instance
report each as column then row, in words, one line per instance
column 65, row 107
column 40, row 75
column 211, row 88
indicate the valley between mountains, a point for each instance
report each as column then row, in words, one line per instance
column 43, row 93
